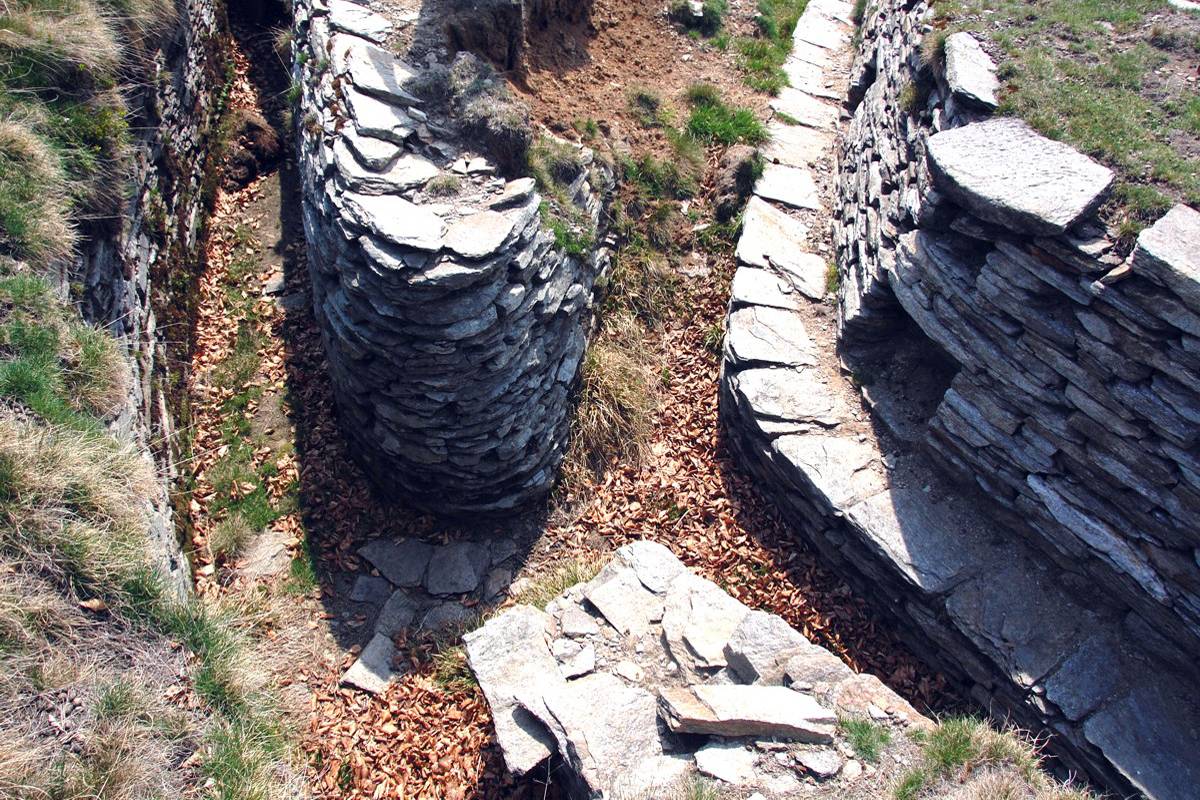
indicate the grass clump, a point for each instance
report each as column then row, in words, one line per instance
column 991, row 763
column 833, row 278
column 555, row 579
column 763, row 55
column 648, row 107
column 712, row 120
column 867, row 738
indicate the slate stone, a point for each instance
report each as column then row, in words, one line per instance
column 1004, row 172
column 822, row 31
column 821, row 764
column 837, row 470
column 761, row 646
column 378, row 119
column 733, row 710
column 796, row 145
column 807, row 110
column 655, row 565
column 405, row 172
column 508, row 654
column 376, row 155
column 772, row 239
column 401, row 561
column 1168, row 252
column 769, row 336
column 624, row 601
column 760, row 287
column 478, row 235
column 793, row 186
column 446, row 615
column 358, row 20
column 456, row 568
column 970, row 72
column 395, row 219
column 731, row 763
column 372, row 672
column 787, row 394
column 397, row 614
column 370, row 589
column 372, row 69
column 577, row 623
column 698, row 619
column 516, row 192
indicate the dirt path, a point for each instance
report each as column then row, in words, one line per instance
column 267, row 449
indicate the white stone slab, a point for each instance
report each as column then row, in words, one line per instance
column 793, row 186
column 806, row 109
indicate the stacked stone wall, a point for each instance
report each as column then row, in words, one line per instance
column 124, row 280
column 1075, row 405
column 454, row 321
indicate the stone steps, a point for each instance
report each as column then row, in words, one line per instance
column 975, row 600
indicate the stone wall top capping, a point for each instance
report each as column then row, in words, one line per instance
column 1168, row 252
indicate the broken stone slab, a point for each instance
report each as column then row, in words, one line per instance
column 1004, row 172
column 395, row 219
column 357, row 20
column 515, row 193
column 375, row 118
column 480, row 234
column 769, row 336
column 457, row 568
column 840, row 469
column 970, row 72
column 793, row 186
column 603, row 728
column 397, row 613
column 377, row 155
column 788, row 394
column 509, row 654
column 372, row 69
column 823, row 31
column 761, row 647
column 574, row 659
column 372, row 672
column 807, row 110
column 821, row 764
column 730, row 763
column 401, row 561
column 697, row 621
column 624, row 601
column 1168, row 253
column 577, row 623
column 735, row 710
column 772, row 240
column 760, row 287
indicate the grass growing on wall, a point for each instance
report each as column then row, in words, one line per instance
column 1097, row 74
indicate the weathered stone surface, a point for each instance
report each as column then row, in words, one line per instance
column 371, row 69
column 760, row 287
column 379, row 119
column 395, row 219
column 456, row 568
column 796, row 145
column 787, row 395
column 772, row 239
column 821, row 764
column 793, row 186
column 398, row 613
column 1005, row 172
column 479, row 234
column 807, row 110
column 656, row 566
column 770, row 336
column 970, row 72
column 1168, row 252
column 734, row 710
column 370, row 589
column 402, row 561
column 508, row 655
column 625, row 602
column 515, row 193
column 761, row 647
column 698, row 620
column 352, row 18
column 372, row 672
column 730, row 763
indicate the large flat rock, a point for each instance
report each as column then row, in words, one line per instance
column 796, row 145
column 735, row 710
column 770, row 238
column 1168, row 252
column 761, row 334
column 395, row 219
column 970, row 72
column 806, row 109
column 793, row 186
column 352, row 18
column 1004, row 172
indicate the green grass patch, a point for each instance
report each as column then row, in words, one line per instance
column 867, row 738
column 707, row 23
column 649, row 108
column 762, row 56
column 726, row 125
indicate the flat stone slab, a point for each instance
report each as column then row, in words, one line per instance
column 401, row 561
column 822, row 31
column 1004, row 172
column 625, row 602
column 655, row 565
column 358, row 20
column 515, row 193
column 735, row 710
column 1168, row 252
column 370, row 589
column 480, row 234
column 840, row 469
column 760, row 287
column 793, row 186
column 372, row 672
column 376, row 154
column 508, row 655
column 730, row 763
column 457, row 568
column 769, row 336
column 970, row 72
column 395, row 219
column 698, row 620
column 761, row 646
column 371, row 69
column 374, row 117
column 772, row 239
column 408, row 171
column 793, row 394
column 796, row 145
column 809, row 111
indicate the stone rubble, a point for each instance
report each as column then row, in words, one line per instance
column 1061, row 585
column 454, row 326
column 653, row 706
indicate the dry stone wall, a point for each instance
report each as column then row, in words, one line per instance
column 1076, row 404
column 175, row 109
column 985, row 534
column 455, row 326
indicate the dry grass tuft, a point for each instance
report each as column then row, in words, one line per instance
column 554, row 579
column 617, row 398
column 34, row 201
column 64, row 39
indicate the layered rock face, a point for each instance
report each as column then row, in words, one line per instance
column 174, row 109
column 648, row 675
column 1075, row 402
column 454, row 322
column 1034, row 539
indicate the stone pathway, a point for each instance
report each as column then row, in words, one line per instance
column 975, row 600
